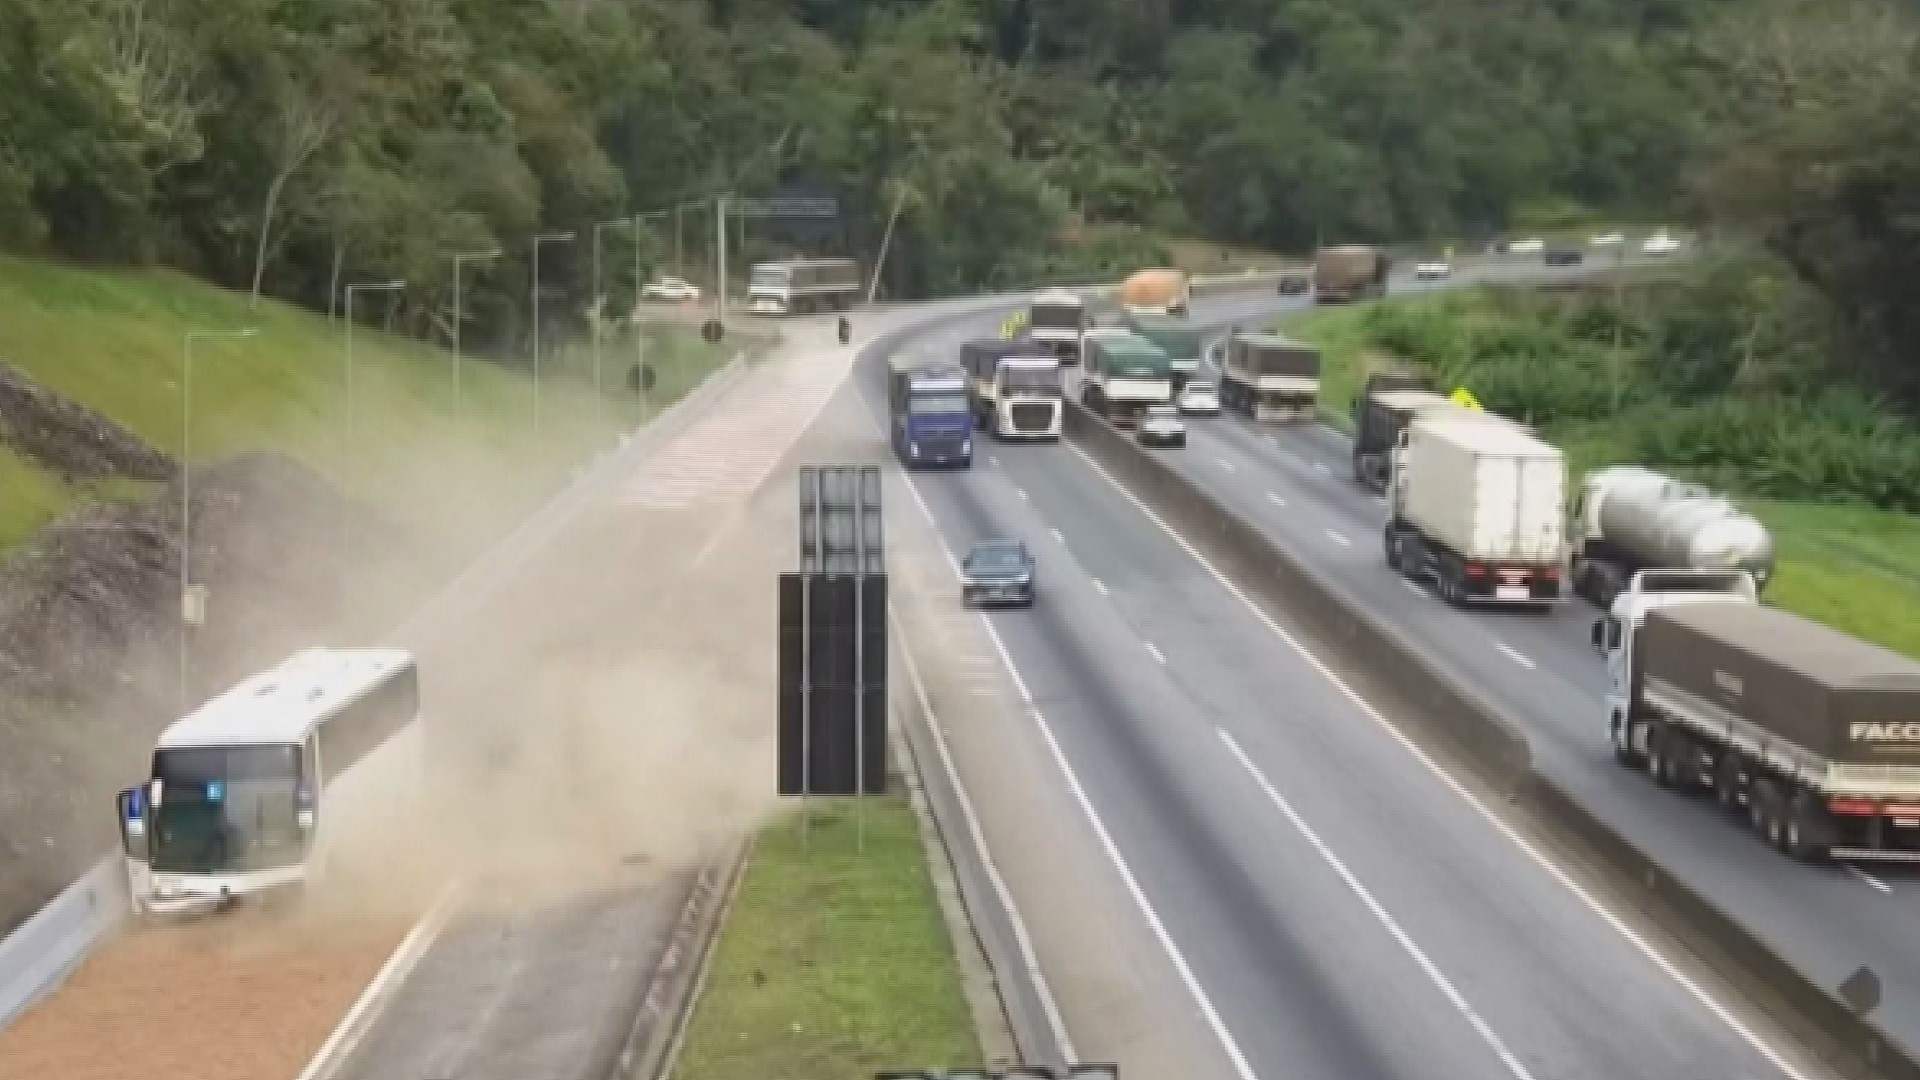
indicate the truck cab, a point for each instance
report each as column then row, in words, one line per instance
column 1614, row 634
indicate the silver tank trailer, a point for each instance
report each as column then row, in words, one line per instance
column 1680, row 527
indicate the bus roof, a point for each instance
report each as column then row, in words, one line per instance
column 285, row 703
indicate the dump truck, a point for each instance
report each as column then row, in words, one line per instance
column 1175, row 336
column 1476, row 507
column 1014, row 387
column 1627, row 519
column 1269, row 377
column 1124, row 373
column 1056, row 318
column 1156, row 292
column 1349, row 272
column 1811, row 734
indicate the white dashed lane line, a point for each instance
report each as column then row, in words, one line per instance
column 1155, row 653
column 1275, row 499
column 1339, row 538
column 1514, row 655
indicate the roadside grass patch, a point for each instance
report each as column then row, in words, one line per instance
column 834, row 962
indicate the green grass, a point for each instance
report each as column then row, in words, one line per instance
column 834, row 963
column 1854, row 568
column 29, row 497
column 114, row 340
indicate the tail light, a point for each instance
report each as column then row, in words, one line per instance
column 1475, row 570
column 1551, row 573
column 1853, row 807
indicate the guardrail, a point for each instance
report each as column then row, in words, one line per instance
column 1494, row 747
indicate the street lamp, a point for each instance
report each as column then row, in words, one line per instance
column 346, row 514
column 457, row 260
column 188, row 612
column 543, row 238
column 617, row 223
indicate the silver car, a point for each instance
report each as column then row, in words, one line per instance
column 1161, row 426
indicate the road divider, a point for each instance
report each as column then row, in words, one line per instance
column 1478, row 736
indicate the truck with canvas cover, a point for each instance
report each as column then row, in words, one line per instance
column 1477, row 508
column 797, row 286
column 1627, row 519
column 1014, row 387
column 1349, row 272
column 1813, row 735
column 1385, row 403
column 1124, row 374
column 929, row 421
column 1156, row 292
column 1175, row 336
column 1056, row 319
column 1269, row 377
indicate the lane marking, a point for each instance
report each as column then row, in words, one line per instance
column 1275, row 499
column 1413, row 588
column 1029, row 957
column 1272, row 439
column 1101, row 586
column 1228, row 1044
column 1384, row 917
column 1339, row 538
column 1606, row 915
column 1022, row 492
column 1057, row 536
column 1156, row 653
column 1514, row 655
column 1322, row 466
column 1225, row 464
column 1868, row 878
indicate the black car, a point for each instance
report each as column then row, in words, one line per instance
column 1294, row 284
column 997, row 572
column 1562, row 257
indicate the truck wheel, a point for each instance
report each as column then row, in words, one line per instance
column 1726, row 781
column 1805, row 833
column 1622, row 739
column 1392, row 544
column 1681, row 759
column 1655, row 762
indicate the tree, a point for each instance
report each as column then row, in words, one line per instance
column 311, row 108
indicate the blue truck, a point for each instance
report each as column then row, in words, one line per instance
column 928, row 418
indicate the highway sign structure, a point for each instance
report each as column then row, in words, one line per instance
column 833, row 640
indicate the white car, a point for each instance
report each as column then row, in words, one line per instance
column 670, row 288
column 1432, row 270
column 1612, row 239
column 1199, row 399
column 1660, row 243
column 1532, row 245
column 1161, row 426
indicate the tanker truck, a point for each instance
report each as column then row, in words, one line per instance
column 1627, row 519
column 1156, row 292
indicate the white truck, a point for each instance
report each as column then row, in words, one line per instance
column 1475, row 505
column 1805, row 731
column 1056, row 319
column 1014, row 388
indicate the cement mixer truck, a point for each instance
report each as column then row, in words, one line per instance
column 1627, row 519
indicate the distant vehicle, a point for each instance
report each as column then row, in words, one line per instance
column 1532, row 245
column 1563, row 256
column 797, row 286
column 1175, row 336
column 1199, row 399
column 1626, row 519
column 930, row 421
column 1156, row 292
column 1610, row 239
column 1806, row 732
column 1432, row 270
column 1269, row 377
column 1350, row 272
column 1660, row 243
column 233, row 807
column 670, row 288
column 1161, row 426
column 1014, row 388
column 997, row 572
column 1477, row 507
column 1294, row 284
column 1057, row 318
column 1125, row 373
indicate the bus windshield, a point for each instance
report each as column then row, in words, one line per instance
column 1029, row 380
column 937, row 404
column 226, row 809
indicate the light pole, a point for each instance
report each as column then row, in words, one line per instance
column 543, row 238
column 457, row 260
column 346, row 513
column 188, row 613
column 617, row 223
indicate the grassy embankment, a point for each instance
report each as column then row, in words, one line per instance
column 834, row 962
column 112, row 340
column 1851, row 566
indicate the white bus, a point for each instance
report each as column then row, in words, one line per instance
column 801, row 285
column 233, row 806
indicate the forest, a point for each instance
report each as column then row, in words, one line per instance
column 283, row 146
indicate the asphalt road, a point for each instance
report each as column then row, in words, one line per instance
column 1295, row 481
column 1334, row 905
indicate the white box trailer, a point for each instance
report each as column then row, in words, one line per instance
column 1477, row 506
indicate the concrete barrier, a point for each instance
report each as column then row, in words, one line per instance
column 1475, row 733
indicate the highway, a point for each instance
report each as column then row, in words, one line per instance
column 1295, row 482
column 1333, row 904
